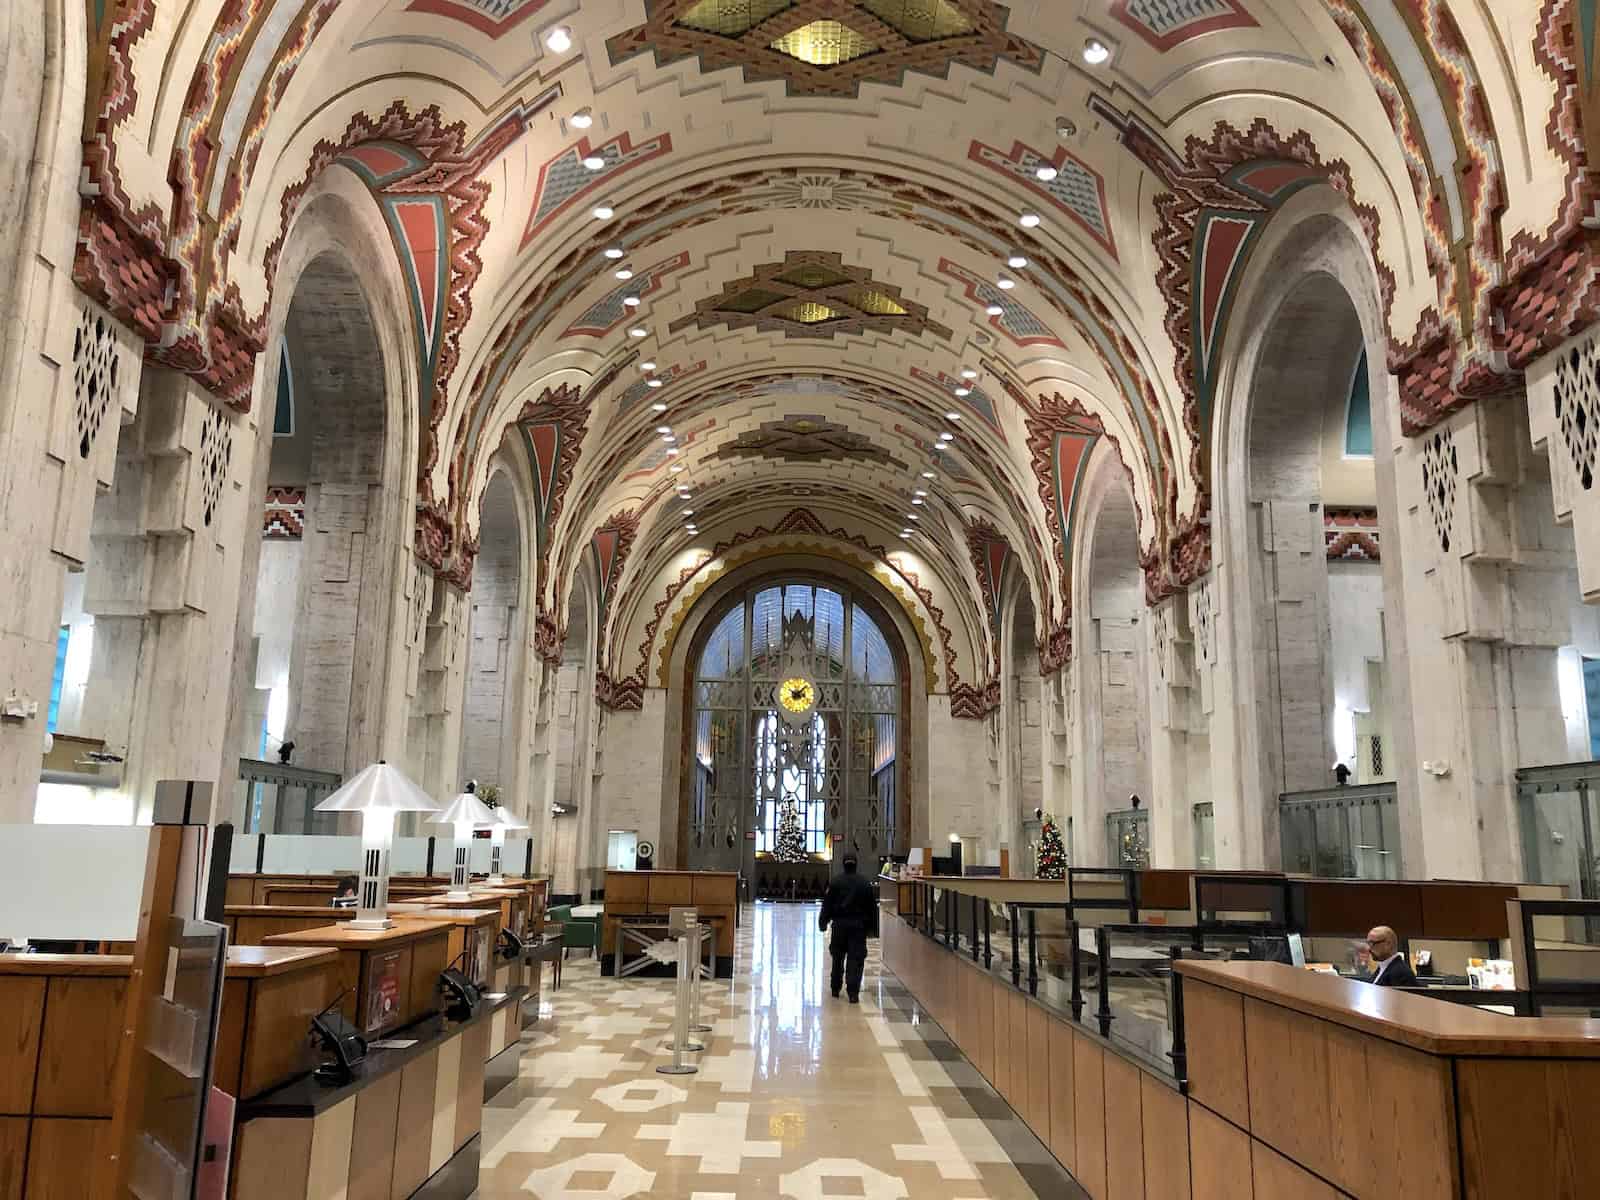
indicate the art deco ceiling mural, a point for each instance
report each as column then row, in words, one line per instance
column 807, row 440
column 827, row 47
column 811, row 294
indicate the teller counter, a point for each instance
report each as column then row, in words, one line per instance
column 633, row 895
column 387, row 977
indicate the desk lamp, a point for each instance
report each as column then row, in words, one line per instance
column 466, row 813
column 377, row 792
column 503, row 823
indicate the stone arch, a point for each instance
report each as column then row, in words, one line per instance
column 1109, row 631
column 497, row 636
column 1309, row 313
column 333, row 608
column 1021, row 732
column 576, row 722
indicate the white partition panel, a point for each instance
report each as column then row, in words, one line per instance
column 410, row 856
column 72, row 883
column 311, row 854
column 242, row 858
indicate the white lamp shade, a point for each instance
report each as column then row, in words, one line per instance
column 504, row 820
column 381, row 787
column 465, row 809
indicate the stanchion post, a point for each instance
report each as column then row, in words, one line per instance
column 695, row 1025
column 680, row 1019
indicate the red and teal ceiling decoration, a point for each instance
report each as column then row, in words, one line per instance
column 608, row 550
column 492, row 18
column 640, row 388
column 1169, row 23
column 1077, row 190
column 1016, row 321
column 605, row 315
column 976, row 400
column 991, row 556
column 552, row 430
column 807, row 439
column 564, row 180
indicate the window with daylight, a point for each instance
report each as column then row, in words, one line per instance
column 1358, row 414
column 827, row 751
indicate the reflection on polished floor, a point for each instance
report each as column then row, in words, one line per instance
column 798, row 1094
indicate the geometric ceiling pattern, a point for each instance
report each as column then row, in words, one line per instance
column 827, row 47
column 811, row 294
column 807, row 439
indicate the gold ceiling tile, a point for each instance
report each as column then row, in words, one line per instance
column 812, row 276
column 879, row 304
column 809, row 312
column 921, row 20
column 825, row 44
column 730, row 18
column 752, row 301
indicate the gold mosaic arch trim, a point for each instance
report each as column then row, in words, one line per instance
column 882, row 574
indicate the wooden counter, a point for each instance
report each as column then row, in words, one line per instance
column 390, row 975
column 635, row 893
column 473, row 932
column 250, row 924
column 269, row 995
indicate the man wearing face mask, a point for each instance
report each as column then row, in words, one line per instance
column 1389, row 966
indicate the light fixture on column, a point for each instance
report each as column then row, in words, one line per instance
column 465, row 813
column 559, row 39
column 377, row 793
column 1095, row 52
column 503, row 823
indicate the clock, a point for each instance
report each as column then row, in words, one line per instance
column 797, row 695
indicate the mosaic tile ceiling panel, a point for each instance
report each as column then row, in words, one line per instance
column 807, row 439
column 828, row 47
column 811, row 294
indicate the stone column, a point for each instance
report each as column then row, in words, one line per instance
column 1178, row 755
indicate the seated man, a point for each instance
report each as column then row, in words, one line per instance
column 1389, row 966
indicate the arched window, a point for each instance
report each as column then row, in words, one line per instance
column 796, row 726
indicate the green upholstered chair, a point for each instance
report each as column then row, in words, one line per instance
column 582, row 933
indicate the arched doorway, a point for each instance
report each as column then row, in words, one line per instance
column 494, row 662
column 795, row 736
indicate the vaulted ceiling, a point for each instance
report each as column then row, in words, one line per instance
column 900, row 263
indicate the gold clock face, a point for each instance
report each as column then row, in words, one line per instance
column 797, row 695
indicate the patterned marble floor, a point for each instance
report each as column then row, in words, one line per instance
column 798, row 1094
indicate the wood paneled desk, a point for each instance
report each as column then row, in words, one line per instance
column 715, row 894
column 269, row 995
column 390, row 975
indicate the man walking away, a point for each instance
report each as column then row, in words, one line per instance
column 850, row 905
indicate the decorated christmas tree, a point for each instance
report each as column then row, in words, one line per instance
column 1050, row 856
column 790, row 846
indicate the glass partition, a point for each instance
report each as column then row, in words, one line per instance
column 1559, row 817
column 1205, row 836
column 1341, row 833
column 1128, row 837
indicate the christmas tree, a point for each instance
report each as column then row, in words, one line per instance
column 1050, row 856
column 791, row 843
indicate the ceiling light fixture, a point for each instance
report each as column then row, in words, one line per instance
column 963, row 392
column 1017, row 262
column 1029, row 220
column 920, row 492
column 582, row 119
column 1046, row 173
column 905, row 533
column 673, row 451
column 995, row 310
column 930, row 475
column 688, row 512
column 669, row 438
column 675, row 470
column 559, row 39
column 947, row 437
column 613, row 252
column 912, row 517
column 648, row 364
column 604, row 212
column 658, row 406
column 638, row 331
column 1095, row 52
column 623, row 272
column 1006, row 283
column 631, row 301
column 917, row 500
column 968, row 373
column 663, row 428
column 952, row 416
column 593, row 162
column 655, row 383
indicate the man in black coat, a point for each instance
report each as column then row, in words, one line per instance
column 1389, row 966
column 850, row 906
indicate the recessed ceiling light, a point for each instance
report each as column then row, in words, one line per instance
column 955, row 416
column 1029, row 220
column 963, row 392
column 672, row 450
column 631, row 301
column 638, row 331
column 1046, row 173
column 905, row 533
column 1095, row 52
column 669, row 437
column 916, row 500
column 559, row 39
column 594, row 162
column 675, row 470
column 919, row 492
column 994, row 310
column 655, row 383
column 968, row 373
column 1006, row 283
column 583, row 118
column 930, row 475
column 663, row 428
column 604, row 212
column 624, row 273
column 1017, row 262
column 613, row 252
column 648, row 364
column 912, row 517
column 688, row 512
column 947, row 437
column 658, row 406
